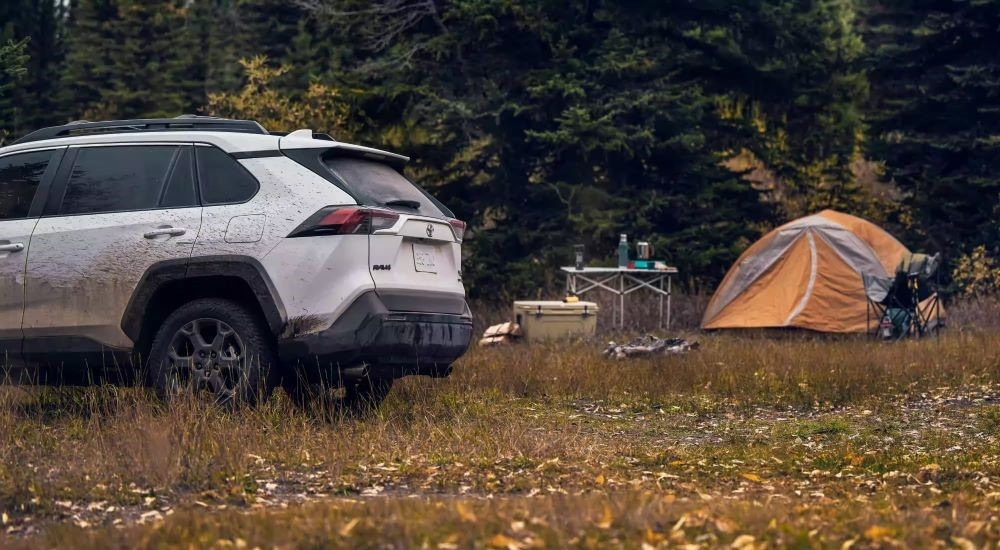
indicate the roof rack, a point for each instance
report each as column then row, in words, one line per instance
column 181, row 123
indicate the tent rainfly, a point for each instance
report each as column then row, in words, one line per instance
column 806, row 274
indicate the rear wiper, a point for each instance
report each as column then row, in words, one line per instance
column 405, row 203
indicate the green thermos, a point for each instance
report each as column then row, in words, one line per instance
column 623, row 251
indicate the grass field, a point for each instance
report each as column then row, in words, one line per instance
column 744, row 443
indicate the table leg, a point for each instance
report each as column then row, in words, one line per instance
column 621, row 301
column 669, row 294
column 661, row 302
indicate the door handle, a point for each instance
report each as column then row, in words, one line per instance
column 168, row 231
column 12, row 247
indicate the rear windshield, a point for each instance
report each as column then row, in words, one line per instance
column 376, row 184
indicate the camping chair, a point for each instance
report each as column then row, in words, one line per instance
column 906, row 304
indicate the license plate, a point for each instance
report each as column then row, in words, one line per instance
column 424, row 258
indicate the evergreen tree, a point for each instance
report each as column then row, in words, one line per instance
column 87, row 72
column 936, row 117
column 792, row 71
column 271, row 28
column 130, row 58
column 228, row 31
column 12, row 60
column 213, row 28
column 545, row 125
column 32, row 103
column 149, row 59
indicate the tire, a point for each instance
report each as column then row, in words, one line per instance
column 335, row 400
column 215, row 346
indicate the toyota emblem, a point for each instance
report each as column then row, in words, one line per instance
column 430, row 230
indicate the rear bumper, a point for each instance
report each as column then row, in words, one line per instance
column 388, row 343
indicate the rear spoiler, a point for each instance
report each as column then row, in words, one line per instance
column 302, row 140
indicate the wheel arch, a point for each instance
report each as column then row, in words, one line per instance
column 169, row 284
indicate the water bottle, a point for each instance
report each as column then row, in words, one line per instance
column 623, row 251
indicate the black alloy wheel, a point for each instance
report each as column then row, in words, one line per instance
column 214, row 347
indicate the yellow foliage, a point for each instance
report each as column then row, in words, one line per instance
column 465, row 514
column 321, row 107
column 345, row 531
column 877, row 532
column 503, row 541
column 607, row 519
column 977, row 273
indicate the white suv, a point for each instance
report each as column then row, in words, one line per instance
column 221, row 257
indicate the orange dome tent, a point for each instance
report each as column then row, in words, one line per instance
column 806, row 274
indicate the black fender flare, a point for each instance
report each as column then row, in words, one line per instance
column 166, row 272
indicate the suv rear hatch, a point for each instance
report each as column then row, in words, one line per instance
column 415, row 261
column 414, row 251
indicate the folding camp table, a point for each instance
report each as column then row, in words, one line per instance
column 621, row 281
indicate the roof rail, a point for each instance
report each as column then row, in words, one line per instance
column 181, row 123
column 315, row 135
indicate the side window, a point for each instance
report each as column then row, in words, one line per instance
column 19, row 178
column 222, row 179
column 116, row 179
column 180, row 191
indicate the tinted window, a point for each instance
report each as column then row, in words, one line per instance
column 19, row 179
column 179, row 191
column 115, row 179
column 222, row 179
column 376, row 184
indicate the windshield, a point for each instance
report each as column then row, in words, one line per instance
column 377, row 184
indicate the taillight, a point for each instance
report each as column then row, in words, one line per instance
column 458, row 227
column 345, row 220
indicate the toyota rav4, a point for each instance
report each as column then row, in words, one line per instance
column 211, row 255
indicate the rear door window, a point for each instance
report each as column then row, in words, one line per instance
column 377, row 184
column 179, row 191
column 20, row 176
column 119, row 179
column 223, row 180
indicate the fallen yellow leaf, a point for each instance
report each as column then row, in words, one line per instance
column 345, row 531
column 464, row 513
column 752, row 477
column 653, row 537
column 501, row 540
column 877, row 532
column 743, row 541
column 599, row 479
column 605, row 522
column 450, row 543
column 725, row 525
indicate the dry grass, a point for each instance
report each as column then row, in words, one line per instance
column 975, row 313
column 803, row 442
column 642, row 311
